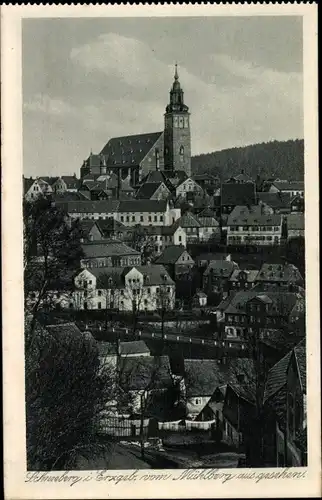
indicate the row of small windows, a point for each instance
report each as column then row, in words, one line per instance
column 253, row 238
column 254, row 228
column 133, row 218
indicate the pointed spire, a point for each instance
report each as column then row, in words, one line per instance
column 176, row 77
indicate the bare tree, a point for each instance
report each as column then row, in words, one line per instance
column 143, row 242
column 165, row 301
column 65, row 394
column 52, row 252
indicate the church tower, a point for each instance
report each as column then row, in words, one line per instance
column 177, row 141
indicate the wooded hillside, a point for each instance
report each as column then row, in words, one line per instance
column 284, row 160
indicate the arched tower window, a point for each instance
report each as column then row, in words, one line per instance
column 181, row 153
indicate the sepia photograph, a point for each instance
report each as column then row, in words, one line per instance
column 164, row 190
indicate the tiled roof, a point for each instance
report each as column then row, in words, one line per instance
column 71, row 181
column 109, row 224
column 129, row 150
column 187, row 220
column 242, row 177
column 205, row 177
column 220, row 268
column 289, row 186
column 64, row 329
column 106, row 349
column 86, row 226
column 101, row 206
column 134, row 347
column 238, row 194
column 153, row 275
column 67, row 196
column 276, row 378
column 300, row 354
column 250, row 275
column 147, row 190
column 171, row 254
column 206, row 212
column 295, row 222
column 141, row 206
column 255, row 220
column 202, row 376
column 244, row 211
column 102, row 274
column 275, row 200
column 107, row 249
column 286, row 273
column 145, row 373
column 208, row 221
column 48, row 180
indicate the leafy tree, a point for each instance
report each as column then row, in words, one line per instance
column 66, row 391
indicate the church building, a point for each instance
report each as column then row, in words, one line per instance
column 134, row 156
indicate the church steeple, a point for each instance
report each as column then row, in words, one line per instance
column 177, row 144
column 176, row 95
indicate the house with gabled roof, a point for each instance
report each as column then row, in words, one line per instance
column 153, row 191
column 242, row 279
column 293, row 188
column 285, row 402
column 90, row 231
column 216, row 276
column 176, row 259
column 279, row 202
column 252, row 229
column 122, row 288
column 191, row 225
column 279, row 275
column 188, row 189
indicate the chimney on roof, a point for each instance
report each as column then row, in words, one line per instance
column 240, row 378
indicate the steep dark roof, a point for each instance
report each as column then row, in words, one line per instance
column 129, row 150
column 212, row 256
column 220, row 268
column 153, row 274
column 109, row 224
column 171, row 254
column 147, row 190
column 276, row 378
column 238, row 194
column 27, row 183
column 107, row 249
column 143, row 206
column 86, row 226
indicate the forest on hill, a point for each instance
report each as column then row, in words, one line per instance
column 284, row 160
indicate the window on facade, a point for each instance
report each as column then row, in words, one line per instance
column 133, row 218
column 161, row 218
column 141, row 218
column 99, row 305
column 99, row 293
column 85, row 305
column 127, row 218
column 71, row 305
column 150, row 218
column 122, row 218
column 155, row 218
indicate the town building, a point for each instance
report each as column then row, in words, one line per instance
column 217, row 275
column 176, row 260
column 242, row 279
column 106, row 253
column 260, row 230
column 188, row 189
column 279, row 275
column 293, row 188
column 278, row 201
column 122, row 289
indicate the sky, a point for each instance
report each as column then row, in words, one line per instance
column 86, row 80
